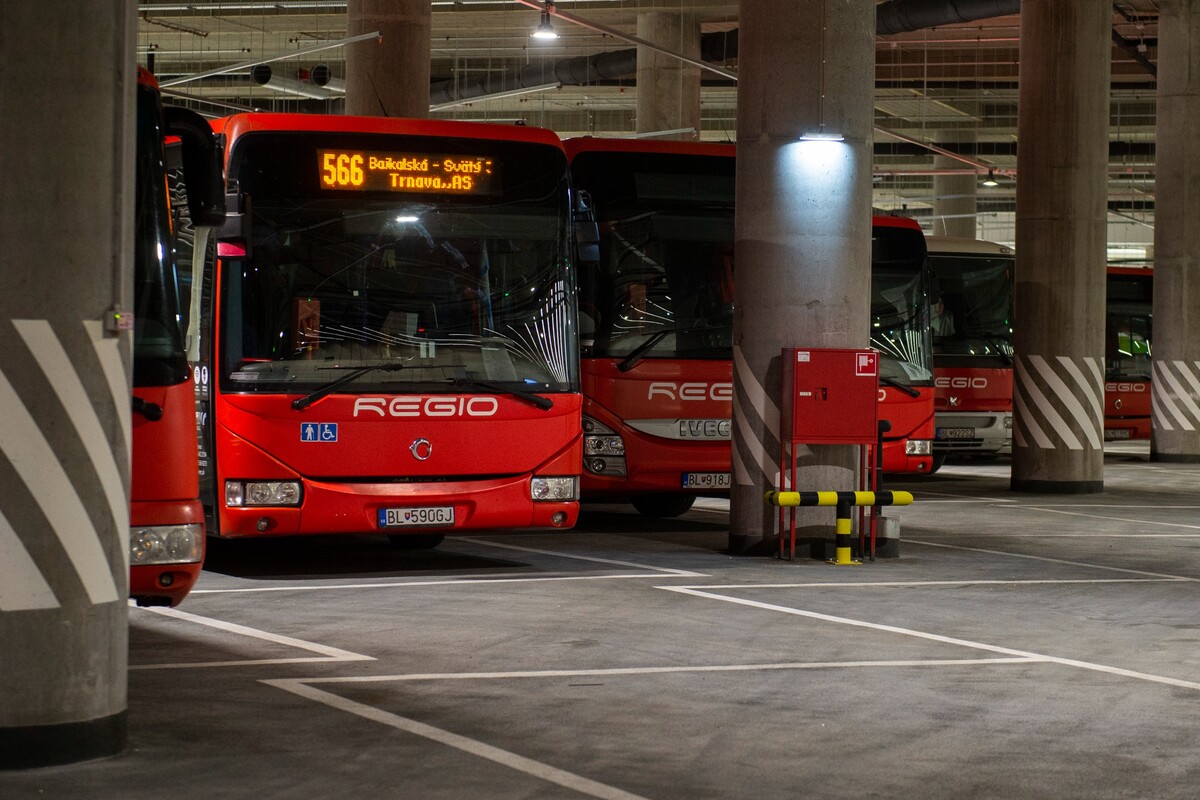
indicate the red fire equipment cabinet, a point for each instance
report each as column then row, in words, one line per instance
column 830, row 397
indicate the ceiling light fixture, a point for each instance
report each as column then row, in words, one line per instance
column 991, row 179
column 545, row 30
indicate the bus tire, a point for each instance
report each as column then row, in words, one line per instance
column 938, row 462
column 416, row 541
column 663, row 506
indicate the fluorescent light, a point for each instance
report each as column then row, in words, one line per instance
column 822, row 135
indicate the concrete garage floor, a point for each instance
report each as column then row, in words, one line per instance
column 1023, row 646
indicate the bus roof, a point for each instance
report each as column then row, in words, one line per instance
column 890, row 221
column 241, row 124
column 966, row 246
column 588, row 144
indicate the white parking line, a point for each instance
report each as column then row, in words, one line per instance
column 1047, row 559
column 465, row 580
column 1108, row 517
column 325, row 653
column 907, row 584
column 304, row 687
column 593, row 559
column 536, row 769
column 935, row 637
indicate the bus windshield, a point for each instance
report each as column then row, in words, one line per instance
column 972, row 304
column 461, row 276
column 158, row 355
column 1128, row 327
column 664, row 284
column 899, row 292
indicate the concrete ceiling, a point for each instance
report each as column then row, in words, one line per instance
column 955, row 85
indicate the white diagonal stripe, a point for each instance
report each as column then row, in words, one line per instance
column 114, row 373
column 22, row 587
column 1163, row 377
column 1029, row 388
column 741, row 475
column 30, row 454
column 1157, row 411
column 765, row 463
column 1025, row 419
column 1182, row 393
column 1056, row 420
column 39, row 337
column 1092, row 424
column 768, row 412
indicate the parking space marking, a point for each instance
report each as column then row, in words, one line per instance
column 935, row 637
column 529, row 766
column 305, row 687
column 593, row 559
column 1065, row 512
column 465, row 580
column 325, row 653
column 1049, row 560
column 918, row 584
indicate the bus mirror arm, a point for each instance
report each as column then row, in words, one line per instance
column 202, row 159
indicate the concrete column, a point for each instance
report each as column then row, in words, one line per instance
column 390, row 77
column 1175, row 431
column 954, row 206
column 668, row 90
column 67, row 257
column 1058, row 442
column 803, row 232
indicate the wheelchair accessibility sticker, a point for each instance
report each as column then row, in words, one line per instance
column 318, row 432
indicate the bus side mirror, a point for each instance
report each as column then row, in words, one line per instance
column 203, row 159
column 587, row 231
column 234, row 237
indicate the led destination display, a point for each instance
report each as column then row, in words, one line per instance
column 357, row 170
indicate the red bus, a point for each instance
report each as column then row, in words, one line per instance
column 656, row 317
column 972, row 323
column 166, row 537
column 1127, row 329
column 388, row 333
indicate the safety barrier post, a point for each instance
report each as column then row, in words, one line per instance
column 844, row 502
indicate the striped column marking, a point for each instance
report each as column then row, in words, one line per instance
column 1052, row 397
column 767, row 412
column 1171, row 400
column 109, row 354
column 27, row 450
column 48, row 351
column 22, row 587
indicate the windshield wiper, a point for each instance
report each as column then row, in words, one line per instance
column 537, row 400
column 639, row 352
column 904, row 387
column 301, row 403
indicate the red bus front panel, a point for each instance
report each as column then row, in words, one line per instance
column 906, row 446
column 673, row 417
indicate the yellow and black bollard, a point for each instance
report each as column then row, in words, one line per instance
column 844, row 502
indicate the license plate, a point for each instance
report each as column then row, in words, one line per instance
column 1117, row 433
column 706, row 480
column 956, row 433
column 424, row 516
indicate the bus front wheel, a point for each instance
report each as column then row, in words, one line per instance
column 663, row 506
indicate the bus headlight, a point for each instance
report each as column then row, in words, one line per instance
column 554, row 489
column 166, row 544
column 603, row 449
column 918, row 447
column 262, row 493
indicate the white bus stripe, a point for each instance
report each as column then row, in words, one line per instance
column 42, row 342
column 34, row 460
column 22, row 587
column 114, row 372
